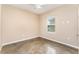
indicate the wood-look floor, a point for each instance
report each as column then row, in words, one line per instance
column 38, row 46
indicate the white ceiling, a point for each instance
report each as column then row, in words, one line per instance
column 31, row 7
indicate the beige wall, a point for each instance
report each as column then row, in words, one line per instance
column 66, row 19
column 78, row 24
column 18, row 25
column 0, row 26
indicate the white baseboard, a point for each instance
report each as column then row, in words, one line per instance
column 60, row 42
column 36, row 37
column 19, row 40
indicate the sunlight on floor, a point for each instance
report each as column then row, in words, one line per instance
column 50, row 50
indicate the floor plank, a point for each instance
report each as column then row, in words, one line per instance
column 38, row 46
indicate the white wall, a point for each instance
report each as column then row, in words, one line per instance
column 65, row 32
column 78, row 24
column 0, row 27
column 18, row 25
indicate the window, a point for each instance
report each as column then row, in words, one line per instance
column 51, row 24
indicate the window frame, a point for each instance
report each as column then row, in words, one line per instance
column 51, row 24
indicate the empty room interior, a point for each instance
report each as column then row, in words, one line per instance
column 39, row 28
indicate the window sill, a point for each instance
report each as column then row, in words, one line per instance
column 50, row 32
